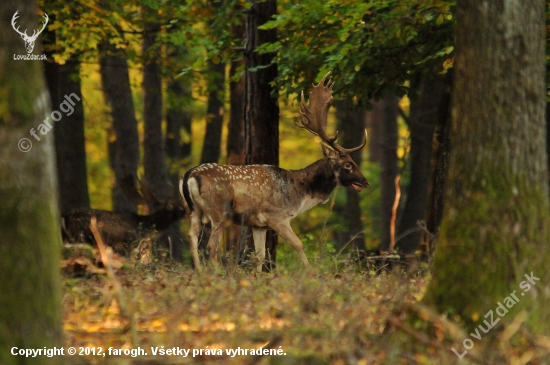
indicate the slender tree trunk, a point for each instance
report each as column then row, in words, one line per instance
column 154, row 157
column 423, row 117
column 388, row 166
column 438, row 185
column 351, row 131
column 261, row 108
column 116, row 87
column 496, row 224
column 30, row 314
column 211, row 148
column 178, row 122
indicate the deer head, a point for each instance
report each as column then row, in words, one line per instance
column 29, row 40
column 314, row 119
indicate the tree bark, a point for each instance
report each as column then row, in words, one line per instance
column 388, row 166
column 211, row 148
column 154, row 157
column 496, row 222
column 116, row 87
column 261, row 108
column 178, row 120
column 70, row 145
column 351, row 133
column 30, row 315
column 374, row 122
column 235, row 135
column 69, row 131
column 438, row 185
column 423, row 117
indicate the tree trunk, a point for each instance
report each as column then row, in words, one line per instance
column 178, row 120
column 211, row 148
column 235, row 135
column 30, row 315
column 388, row 166
column 496, row 222
column 69, row 130
column 261, row 108
column 422, row 120
column 438, row 185
column 154, row 156
column 374, row 122
column 69, row 139
column 116, row 87
column 351, row 133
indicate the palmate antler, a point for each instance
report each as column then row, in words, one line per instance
column 314, row 116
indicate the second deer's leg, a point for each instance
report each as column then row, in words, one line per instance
column 259, row 246
column 285, row 231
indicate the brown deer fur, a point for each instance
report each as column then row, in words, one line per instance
column 268, row 197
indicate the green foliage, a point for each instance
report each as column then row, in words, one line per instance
column 369, row 46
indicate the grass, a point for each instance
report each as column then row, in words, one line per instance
column 320, row 316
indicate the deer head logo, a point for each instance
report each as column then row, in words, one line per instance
column 29, row 41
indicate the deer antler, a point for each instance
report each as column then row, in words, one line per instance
column 43, row 26
column 24, row 34
column 13, row 19
column 314, row 117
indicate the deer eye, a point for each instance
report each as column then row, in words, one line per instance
column 347, row 165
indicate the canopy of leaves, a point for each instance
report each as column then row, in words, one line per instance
column 369, row 45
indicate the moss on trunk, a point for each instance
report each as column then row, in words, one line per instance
column 496, row 225
column 30, row 300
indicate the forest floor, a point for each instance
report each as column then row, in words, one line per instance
column 347, row 317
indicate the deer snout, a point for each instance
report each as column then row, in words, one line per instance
column 358, row 186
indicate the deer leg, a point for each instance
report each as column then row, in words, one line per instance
column 194, row 232
column 259, row 246
column 285, row 231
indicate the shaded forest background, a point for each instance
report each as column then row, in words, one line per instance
column 163, row 86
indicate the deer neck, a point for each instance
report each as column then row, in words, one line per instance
column 317, row 180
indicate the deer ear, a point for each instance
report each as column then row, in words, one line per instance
column 329, row 153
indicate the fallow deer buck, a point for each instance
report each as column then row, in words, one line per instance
column 119, row 229
column 268, row 197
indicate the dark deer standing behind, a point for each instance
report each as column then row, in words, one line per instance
column 268, row 197
column 120, row 229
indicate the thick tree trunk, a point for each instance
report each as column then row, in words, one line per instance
column 496, row 222
column 261, row 108
column 235, row 135
column 69, row 139
column 211, row 147
column 388, row 166
column 30, row 300
column 374, row 122
column 423, row 117
column 154, row 157
column 351, row 126
column 116, row 87
column 69, row 131
column 235, row 148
